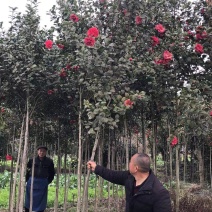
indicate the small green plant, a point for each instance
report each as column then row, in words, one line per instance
column 4, row 179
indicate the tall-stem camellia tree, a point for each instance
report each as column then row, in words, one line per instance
column 24, row 77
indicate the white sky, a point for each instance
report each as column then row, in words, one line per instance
column 44, row 6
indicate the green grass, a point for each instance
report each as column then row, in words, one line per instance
column 72, row 190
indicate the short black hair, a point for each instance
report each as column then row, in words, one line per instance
column 42, row 147
column 143, row 162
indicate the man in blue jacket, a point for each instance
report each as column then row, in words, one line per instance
column 144, row 192
column 43, row 175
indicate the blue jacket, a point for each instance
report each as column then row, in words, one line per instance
column 151, row 197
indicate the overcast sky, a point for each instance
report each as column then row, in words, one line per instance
column 43, row 7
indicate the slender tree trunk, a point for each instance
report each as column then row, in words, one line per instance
column 79, row 166
column 58, row 170
column 32, row 182
column 177, row 179
column 170, row 157
column 211, row 165
column 85, row 194
column 143, row 129
column 177, row 164
column 185, row 160
column 24, row 157
column 108, row 166
column 153, row 146
column 201, row 167
column 126, row 142
column 100, row 158
column 12, row 173
column 66, row 186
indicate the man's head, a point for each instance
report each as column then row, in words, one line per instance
column 139, row 163
column 42, row 151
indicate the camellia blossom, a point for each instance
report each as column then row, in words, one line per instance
column 63, row 73
column 68, row 66
column 49, row 44
column 138, row 20
column 50, row 92
column 128, row 103
column 167, row 55
column 9, row 157
column 211, row 113
column 201, row 35
column 89, row 41
column 155, row 41
column 60, row 46
column 74, row 18
column 125, row 11
column 160, row 28
column 174, row 141
column 162, row 62
column 93, row 32
column 198, row 48
column 130, row 59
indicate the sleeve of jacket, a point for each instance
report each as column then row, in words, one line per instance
column 51, row 172
column 117, row 177
column 163, row 203
column 28, row 170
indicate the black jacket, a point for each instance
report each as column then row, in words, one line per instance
column 151, row 197
column 43, row 169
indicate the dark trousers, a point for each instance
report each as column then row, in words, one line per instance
column 27, row 210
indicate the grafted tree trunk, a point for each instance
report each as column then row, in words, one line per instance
column 58, row 170
column 126, row 142
column 79, row 165
column 24, row 158
column 16, row 168
column 85, row 194
column 211, row 165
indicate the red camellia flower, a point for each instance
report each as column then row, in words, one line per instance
column 60, row 46
column 162, row 62
column 49, row 44
column 125, row 11
column 63, row 73
column 68, row 66
column 93, row 32
column 155, row 40
column 89, row 41
column 50, row 92
column 128, row 103
column 8, row 157
column 167, row 55
column 199, row 48
column 174, row 141
column 130, row 59
column 160, row 28
column 76, row 68
column 201, row 35
column 138, row 20
column 74, row 18
column 211, row 113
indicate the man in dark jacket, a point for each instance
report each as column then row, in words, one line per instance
column 144, row 192
column 43, row 175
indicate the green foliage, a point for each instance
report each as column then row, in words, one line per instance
column 4, row 179
column 72, row 189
